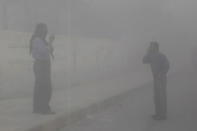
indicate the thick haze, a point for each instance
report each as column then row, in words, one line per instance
column 136, row 22
column 99, row 36
column 98, row 50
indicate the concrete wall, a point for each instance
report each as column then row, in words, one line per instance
column 94, row 59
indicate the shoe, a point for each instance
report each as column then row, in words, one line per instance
column 155, row 117
column 44, row 112
column 163, row 117
column 37, row 112
column 48, row 113
column 158, row 117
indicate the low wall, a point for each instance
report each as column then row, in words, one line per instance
column 78, row 60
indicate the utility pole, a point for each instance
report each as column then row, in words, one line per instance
column 4, row 15
column 73, row 42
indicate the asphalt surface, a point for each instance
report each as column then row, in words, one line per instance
column 134, row 112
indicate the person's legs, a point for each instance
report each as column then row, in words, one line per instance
column 42, row 90
column 37, row 98
column 163, row 97
column 156, row 95
column 161, row 103
column 48, row 86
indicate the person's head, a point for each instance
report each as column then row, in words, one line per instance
column 154, row 47
column 41, row 30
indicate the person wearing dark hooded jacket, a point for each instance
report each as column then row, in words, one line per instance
column 159, row 66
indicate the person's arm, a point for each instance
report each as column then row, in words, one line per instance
column 165, row 65
column 51, row 49
column 147, row 57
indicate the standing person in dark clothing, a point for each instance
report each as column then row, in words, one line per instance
column 41, row 51
column 160, row 66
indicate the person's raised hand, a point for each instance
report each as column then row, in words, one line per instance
column 51, row 38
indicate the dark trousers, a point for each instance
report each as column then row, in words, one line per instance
column 160, row 99
column 42, row 88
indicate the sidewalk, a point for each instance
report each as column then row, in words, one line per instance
column 182, row 106
column 133, row 113
column 70, row 104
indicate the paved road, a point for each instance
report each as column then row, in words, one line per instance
column 134, row 112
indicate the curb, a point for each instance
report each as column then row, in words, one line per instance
column 64, row 119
